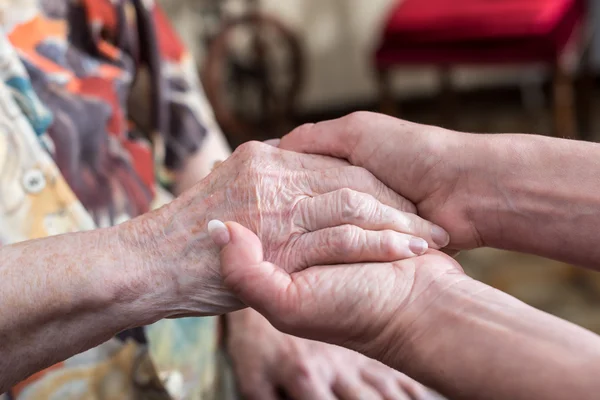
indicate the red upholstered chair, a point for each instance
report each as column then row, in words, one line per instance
column 446, row 33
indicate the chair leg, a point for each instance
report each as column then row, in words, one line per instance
column 533, row 99
column 387, row 103
column 585, row 96
column 565, row 121
column 448, row 99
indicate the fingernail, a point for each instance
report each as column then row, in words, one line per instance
column 218, row 232
column 440, row 236
column 273, row 142
column 417, row 245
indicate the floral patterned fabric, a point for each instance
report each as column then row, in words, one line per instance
column 99, row 106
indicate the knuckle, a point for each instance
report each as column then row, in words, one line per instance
column 305, row 377
column 303, row 129
column 408, row 223
column 390, row 391
column 334, row 240
column 355, row 206
column 347, row 233
column 250, row 149
column 338, row 243
column 346, row 196
column 303, row 369
column 302, row 215
column 388, row 244
column 402, row 221
column 358, row 118
column 346, row 238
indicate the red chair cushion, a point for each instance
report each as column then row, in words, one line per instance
column 477, row 31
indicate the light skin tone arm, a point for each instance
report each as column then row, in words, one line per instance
column 428, row 320
column 74, row 294
column 65, row 294
column 537, row 195
column 527, row 193
column 471, row 341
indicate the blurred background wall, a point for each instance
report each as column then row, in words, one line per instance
column 339, row 37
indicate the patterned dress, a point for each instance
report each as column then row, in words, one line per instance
column 99, row 106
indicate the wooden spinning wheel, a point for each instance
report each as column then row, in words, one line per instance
column 253, row 72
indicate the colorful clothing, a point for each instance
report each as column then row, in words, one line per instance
column 74, row 156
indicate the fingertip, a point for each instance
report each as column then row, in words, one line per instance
column 439, row 236
column 219, row 233
column 418, row 246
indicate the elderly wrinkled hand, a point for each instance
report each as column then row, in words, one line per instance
column 306, row 209
column 365, row 307
column 437, row 169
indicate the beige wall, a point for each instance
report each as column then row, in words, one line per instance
column 339, row 37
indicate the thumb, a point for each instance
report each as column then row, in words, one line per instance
column 259, row 284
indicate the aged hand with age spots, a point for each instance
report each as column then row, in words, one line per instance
column 426, row 164
column 306, row 209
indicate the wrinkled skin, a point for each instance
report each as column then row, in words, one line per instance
column 307, row 210
column 425, row 164
column 268, row 362
column 364, row 307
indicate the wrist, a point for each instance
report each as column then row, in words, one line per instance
column 485, row 164
column 153, row 245
column 454, row 182
column 434, row 298
column 465, row 338
column 492, row 184
column 117, row 283
column 178, row 263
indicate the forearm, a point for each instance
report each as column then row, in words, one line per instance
column 63, row 295
column 473, row 342
column 537, row 195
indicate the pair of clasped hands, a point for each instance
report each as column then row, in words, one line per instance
column 331, row 238
column 344, row 231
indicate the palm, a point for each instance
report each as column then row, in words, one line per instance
column 339, row 303
column 347, row 294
